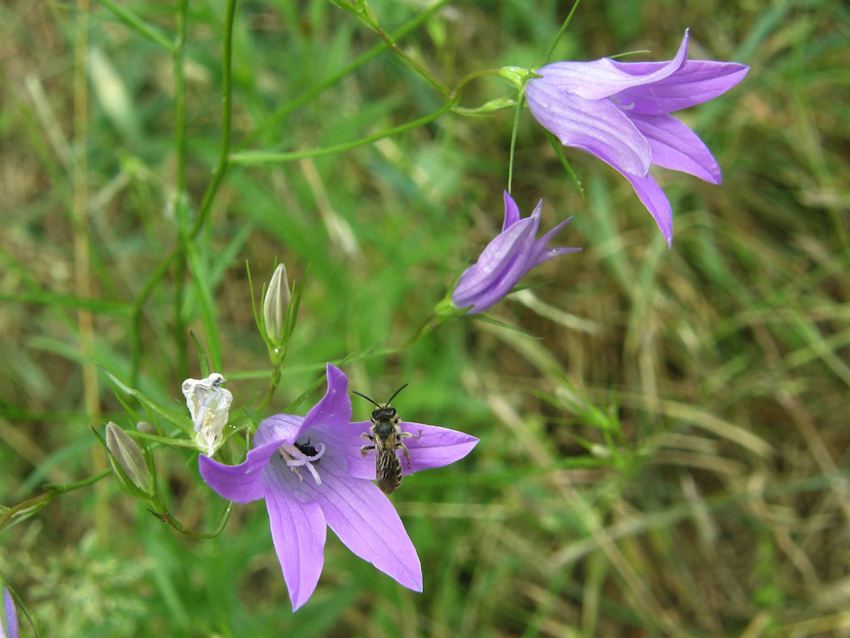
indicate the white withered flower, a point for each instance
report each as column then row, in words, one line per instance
column 209, row 404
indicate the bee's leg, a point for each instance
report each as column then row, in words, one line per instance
column 366, row 448
column 367, row 435
column 404, row 451
column 404, row 435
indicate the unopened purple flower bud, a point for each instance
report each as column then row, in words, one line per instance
column 128, row 460
column 274, row 305
column 506, row 259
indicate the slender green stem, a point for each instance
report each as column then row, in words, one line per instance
column 70, row 487
column 564, row 25
column 521, row 98
column 138, row 308
column 226, row 118
column 514, row 131
column 291, row 105
column 137, row 24
column 180, row 199
column 178, row 253
column 248, row 158
column 30, row 506
column 177, row 62
column 469, row 77
column 162, row 440
column 414, row 64
column 273, row 383
column 166, row 517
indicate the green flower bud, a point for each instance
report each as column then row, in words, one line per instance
column 275, row 304
column 517, row 75
column 129, row 461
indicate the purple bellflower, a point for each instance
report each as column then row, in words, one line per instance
column 312, row 475
column 11, row 617
column 506, row 259
column 620, row 112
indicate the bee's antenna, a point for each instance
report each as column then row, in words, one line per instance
column 360, row 394
column 395, row 394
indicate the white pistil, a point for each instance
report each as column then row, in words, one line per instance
column 295, row 458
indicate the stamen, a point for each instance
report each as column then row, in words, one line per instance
column 295, row 458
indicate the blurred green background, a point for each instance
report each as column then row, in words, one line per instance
column 667, row 458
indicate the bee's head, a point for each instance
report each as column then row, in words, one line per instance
column 384, row 413
column 385, row 427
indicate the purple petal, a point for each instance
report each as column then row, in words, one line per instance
column 429, row 447
column 344, row 444
column 596, row 126
column 656, row 203
column 675, row 146
column 298, row 531
column 543, row 252
column 240, row 483
column 285, row 428
column 605, row 77
column 11, row 615
column 366, row 522
column 511, row 211
column 501, row 264
column 334, row 409
column 696, row 82
column 551, row 253
column 432, row 446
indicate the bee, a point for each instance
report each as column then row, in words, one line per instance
column 386, row 437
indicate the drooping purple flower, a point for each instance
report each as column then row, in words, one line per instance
column 506, row 259
column 11, row 616
column 620, row 112
column 312, row 475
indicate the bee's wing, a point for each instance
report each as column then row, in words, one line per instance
column 387, row 470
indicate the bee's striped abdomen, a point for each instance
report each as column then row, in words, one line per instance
column 388, row 470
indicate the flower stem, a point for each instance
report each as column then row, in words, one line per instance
column 249, row 158
column 76, row 485
column 166, row 517
column 26, row 508
column 300, row 100
column 178, row 253
column 564, row 25
column 414, row 64
column 179, row 204
column 226, row 117
column 514, row 131
column 273, row 383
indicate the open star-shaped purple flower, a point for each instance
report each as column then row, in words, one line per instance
column 11, row 616
column 506, row 259
column 620, row 112
column 311, row 473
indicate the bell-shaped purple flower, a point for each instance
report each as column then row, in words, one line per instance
column 312, row 475
column 506, row 259
column 11, row 617
column 620, row 112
